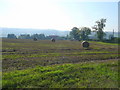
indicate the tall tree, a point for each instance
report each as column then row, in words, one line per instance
column 75, row 33
column 84, row 32
column 99, row 28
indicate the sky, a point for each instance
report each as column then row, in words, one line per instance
column 58, row 14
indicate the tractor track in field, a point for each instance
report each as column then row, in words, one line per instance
column 21, row 54
column 18, row 64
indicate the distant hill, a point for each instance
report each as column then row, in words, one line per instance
column 18, row 31
column 111, row 33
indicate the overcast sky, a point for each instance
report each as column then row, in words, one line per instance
column 57, row 14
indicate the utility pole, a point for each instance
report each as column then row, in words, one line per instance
column 113, row 33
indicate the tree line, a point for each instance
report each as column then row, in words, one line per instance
column 35, row 36
column 76, row 33
column 83, row 32
column 26, row 36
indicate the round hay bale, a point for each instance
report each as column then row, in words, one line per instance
column 35, row 39
column 53, row 40
column 85, row 44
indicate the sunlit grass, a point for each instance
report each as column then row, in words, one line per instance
column 13, row 56
column 104, row 43
column 82, row 75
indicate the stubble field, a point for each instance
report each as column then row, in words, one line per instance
column 42, row 63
